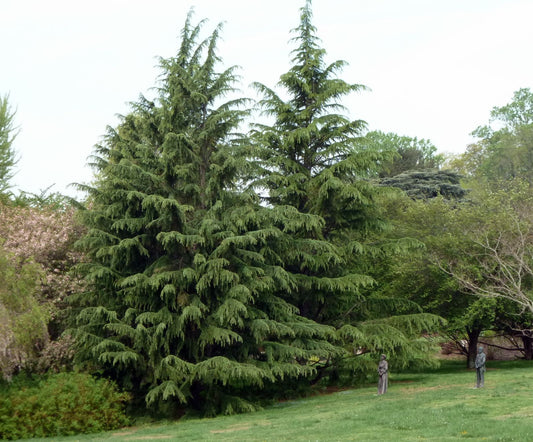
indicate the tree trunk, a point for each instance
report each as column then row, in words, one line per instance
column 197, row 400
column 528, row 347
column 473, row 337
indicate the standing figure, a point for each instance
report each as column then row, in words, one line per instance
column 480, row 368
column 383, row 372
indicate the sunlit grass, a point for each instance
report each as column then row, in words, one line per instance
column 440, row 405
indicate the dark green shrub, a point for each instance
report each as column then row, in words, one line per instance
column 60, row 404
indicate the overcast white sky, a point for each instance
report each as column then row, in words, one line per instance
column 436, row 68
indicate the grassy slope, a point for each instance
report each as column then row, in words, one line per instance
column 441, row 405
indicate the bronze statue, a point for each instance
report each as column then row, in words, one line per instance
column 383, row 372
column 480, row 368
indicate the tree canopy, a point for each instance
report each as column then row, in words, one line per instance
column 425, row 184
column 504, row 150
column 312, row 161
column 185, row 297
column 408, row 153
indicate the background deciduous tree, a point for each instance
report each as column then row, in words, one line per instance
column 504, row 150
column 439, row 224
column 409, row 153
column 45, row 235
column 496, row 254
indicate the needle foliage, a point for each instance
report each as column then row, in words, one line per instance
column 313, row 163
column 184, row 306
column 223, row 267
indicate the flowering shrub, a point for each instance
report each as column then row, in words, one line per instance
column 23, row 320
column 43, row 236
column 57, row 355
column 46, row 236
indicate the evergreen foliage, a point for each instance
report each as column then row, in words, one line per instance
column 7, row 136
column 308, row 168
column 425, row 184
column 313, row 165
column 185, row 305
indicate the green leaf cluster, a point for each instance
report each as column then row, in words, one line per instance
column 60, row 404
column 23, row 320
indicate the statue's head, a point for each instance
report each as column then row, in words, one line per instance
column 480, row 350
column 383, row 357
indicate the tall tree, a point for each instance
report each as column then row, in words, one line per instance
column 439, row 224
column 185, row 306
column 309, row 167
column 476, row 270
column 7, row 136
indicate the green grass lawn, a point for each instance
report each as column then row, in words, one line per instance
column 438, row 405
